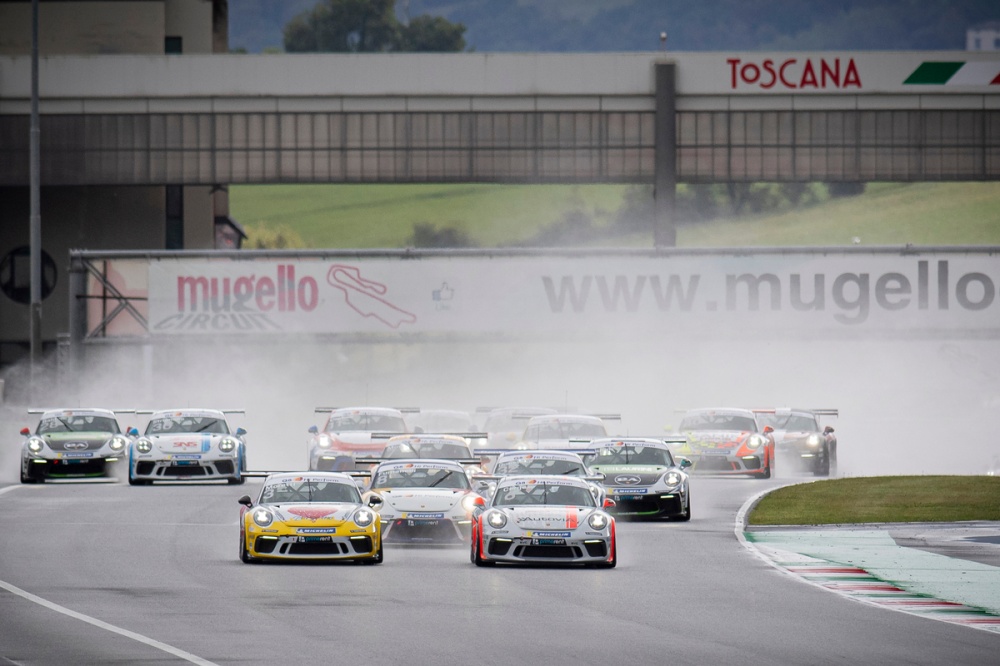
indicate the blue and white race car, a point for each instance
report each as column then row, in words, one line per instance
column 545, row 519
column 187, row 445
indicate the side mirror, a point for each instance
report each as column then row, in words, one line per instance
column 684, row 462
column 313, row 429
column 133, row 432
column 609, row 503
column 599, row 476
column 25, row 431
column 479, row 502
column 827, row 430
column 240, row 432
column 245, row 500
column 768, row 430
column 375, row 501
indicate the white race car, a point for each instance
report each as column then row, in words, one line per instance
column 187, row 445
column 424, row 501
column 643, row 478
column 535, row 463
column 71, row 443
column 505, row 425
column 563, row 431
column 352, row 432
column 545, row 519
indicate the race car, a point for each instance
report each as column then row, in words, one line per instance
column 187, row 445
column 310, row 516
column 439, row 447
column 643, row 478
column 563, row 431
column 348, row 433
column 544, row 519
column 727, row 441
column 439, row 421
column 535, row 463
column 72, row 443
column 505, row 425
column 800, row 440
column 425, row 501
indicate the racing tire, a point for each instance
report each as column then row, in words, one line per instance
column 823, row 469
column 610, row 564
column 238, row 481
column 30, row 478
column 377, row 559
column 477, row 555
column 138, row 482
column 244, row 553
column 686, row 516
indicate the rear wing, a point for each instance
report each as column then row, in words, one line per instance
column 264, row 473
column 153, row 411
column 36, row 410
column 429, row 435
column 404, row 410
column 818, row 411
column 376, row 461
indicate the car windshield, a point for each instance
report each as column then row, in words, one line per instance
column 77, row 423
column 413, row 476
column 365, row 422
column 283, row 492
column 633, row 455
column 187, row 424
column 540, row 492
column 718, row 421
column 443, row 423
column 795, row 422
column 539, row 466
column 509, row 421
column 444, row 450
column 564, row 430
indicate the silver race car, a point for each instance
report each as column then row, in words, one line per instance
column 800, row 440
column 424, row 501
column 544, row 519
column 535, row 463
column 643, row 478
column 187, row 445
column 72, row 443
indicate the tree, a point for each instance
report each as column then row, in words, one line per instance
column 368, row 26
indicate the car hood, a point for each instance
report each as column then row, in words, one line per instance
column 187, row 442
column 646, row 474
column 313, row 514
column 716, row 439
column 422, row 499
column 57, row 441
column 548, row 517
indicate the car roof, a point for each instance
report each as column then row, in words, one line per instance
column 738, row 411
column 385, row 411
column 167, row 413
column 541, row 454
column 564, row 418
column 339, row 477
column 633, row 441
column 419, row 438
column 52, row 413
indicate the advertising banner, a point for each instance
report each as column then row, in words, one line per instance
column 829, row 293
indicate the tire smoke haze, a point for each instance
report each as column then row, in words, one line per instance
column 906, row 406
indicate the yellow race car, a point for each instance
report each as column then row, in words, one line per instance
column 310, row 516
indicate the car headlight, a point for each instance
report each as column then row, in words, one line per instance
column 496, row 519
column 598, row 521
column 227, row 444
column 756, row 441
column 363, row 517
column 323, row 442
column 469, row 502
column 117, row 443
column 263, row 517
column 143, row 446
column 813, row 440
column 35, row 445
column 672, row 479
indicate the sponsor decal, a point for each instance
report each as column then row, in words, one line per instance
column 627, row 480
column 422, row 515
column 794, row 73
column 311, row 513
column 366, row 297
column 82, row 454
column 76, row 446
column 631, row 491
column 185, row 456
column 316, row 530
column 549, row 535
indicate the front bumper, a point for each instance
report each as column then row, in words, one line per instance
column 652, row 504
column 439, row 530
column 726, row 464
column 69, row 467
column 327, row 547
column 586, row 550
column 203, row 469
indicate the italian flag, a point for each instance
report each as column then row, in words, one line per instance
column 955, row 74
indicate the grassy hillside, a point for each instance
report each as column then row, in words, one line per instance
column 366, row 216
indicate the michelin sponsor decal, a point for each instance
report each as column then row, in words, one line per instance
column 769, row 292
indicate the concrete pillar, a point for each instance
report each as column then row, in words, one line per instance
column 665, row 157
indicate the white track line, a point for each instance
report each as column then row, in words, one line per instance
column 169, row 649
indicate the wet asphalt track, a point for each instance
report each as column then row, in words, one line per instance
column 161, row 562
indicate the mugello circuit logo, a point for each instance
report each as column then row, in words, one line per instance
column 794, row 73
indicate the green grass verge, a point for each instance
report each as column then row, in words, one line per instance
column 881, row 499
column 370, row 216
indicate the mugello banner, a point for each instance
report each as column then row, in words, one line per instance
column 583, row 295
column 838, row 72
